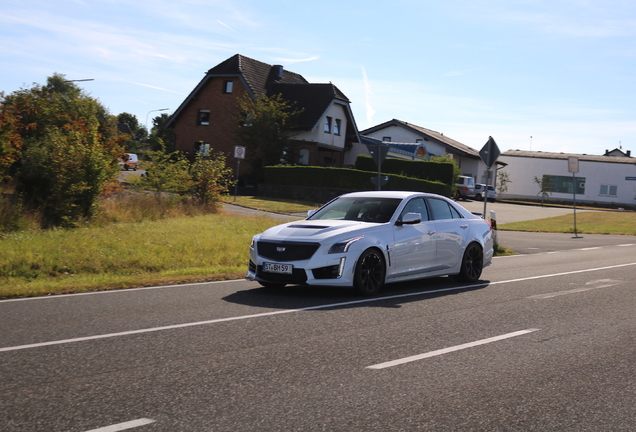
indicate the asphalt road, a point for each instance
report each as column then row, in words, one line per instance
column 547, row 342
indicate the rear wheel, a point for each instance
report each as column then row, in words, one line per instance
column 472, row 263
column 370, row 271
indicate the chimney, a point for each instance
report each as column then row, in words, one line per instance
column 278, row 71
column 629, row 153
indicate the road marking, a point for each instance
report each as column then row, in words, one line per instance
column 449, row 350
column 626, row 244
column 287, row 311
column 601, row 283
column 124, row 426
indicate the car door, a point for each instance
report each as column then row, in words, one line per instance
column 451, row 232
column 414, row 248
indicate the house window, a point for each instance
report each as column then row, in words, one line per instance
column 609, row 190
column 419, row 141
column 203, row 118
column 228, row 87
column 202, row 148
column 386, row 139
column 336, row 127
column 303, row 158
column 328, row 124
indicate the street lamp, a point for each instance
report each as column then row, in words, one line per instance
column 162, row 109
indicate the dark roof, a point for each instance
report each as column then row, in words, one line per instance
column 427, row 134
column 564, row 156
column 314, row 99
column 258, row 75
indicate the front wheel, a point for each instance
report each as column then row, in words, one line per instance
column 370, row 271
column 472, row 263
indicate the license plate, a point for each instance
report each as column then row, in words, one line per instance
column 278, row 268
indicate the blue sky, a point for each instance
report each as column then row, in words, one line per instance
column 553, row 75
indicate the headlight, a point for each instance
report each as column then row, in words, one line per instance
column 253, row 242
column 343, row 246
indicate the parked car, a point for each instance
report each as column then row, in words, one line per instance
column 479, row 192
column 367, row 239
column 465, row 187
column 129, row 161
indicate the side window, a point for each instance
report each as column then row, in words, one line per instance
column 417, row 205
column 455, row 213
column 228, row 86
column 440, row 209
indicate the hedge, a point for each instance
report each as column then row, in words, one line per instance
column 350, row 179
column 425, row 170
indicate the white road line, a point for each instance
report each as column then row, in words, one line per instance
column 449, row 350
column 124, row 426
column 287, row 311
column 626, row 244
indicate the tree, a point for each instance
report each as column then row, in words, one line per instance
column 211, row 178
column 161, row 137
column 265, row 126
column 60, row 148
column 129, row 123
column 544, row 186
column 503, row 180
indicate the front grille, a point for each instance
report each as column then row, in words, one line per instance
column 286, row 251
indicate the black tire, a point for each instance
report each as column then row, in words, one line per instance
column 370, row 271
column 272, row 285
column 478, row 197
column 472, row 263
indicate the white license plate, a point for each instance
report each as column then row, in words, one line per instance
column 278, row 268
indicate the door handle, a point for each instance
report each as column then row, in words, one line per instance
column 431, row 232
column 463, row 226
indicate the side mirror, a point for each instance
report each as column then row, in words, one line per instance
column 410, row 219
column 311, row 212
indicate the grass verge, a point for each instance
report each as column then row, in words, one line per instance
column 598, row 222
column 122, row 255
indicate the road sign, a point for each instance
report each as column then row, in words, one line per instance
column 490, row 152
column 239, row 152
column 378, row 152
column 573, row 164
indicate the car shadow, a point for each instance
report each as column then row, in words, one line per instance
column 392, row 296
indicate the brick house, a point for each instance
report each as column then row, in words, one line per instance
column 209, row 114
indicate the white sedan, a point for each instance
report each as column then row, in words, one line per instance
column 366, row 239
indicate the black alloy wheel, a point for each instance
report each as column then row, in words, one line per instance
column 472, row 263
column 370, row 271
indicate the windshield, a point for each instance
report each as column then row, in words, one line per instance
column 378, row 210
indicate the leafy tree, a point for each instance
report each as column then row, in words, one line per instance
column 136, row 131
column 265, row 126
column 60, row 148
column 211, row 178
column 167, row 172
column 161, row 137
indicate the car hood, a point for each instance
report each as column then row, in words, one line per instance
column 308, row 230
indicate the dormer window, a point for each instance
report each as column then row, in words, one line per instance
column 228, row 86
column 203, row 118
column 327, row 124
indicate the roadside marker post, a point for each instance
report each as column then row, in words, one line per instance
column 239, row 153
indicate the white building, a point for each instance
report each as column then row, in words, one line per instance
column 600, row 179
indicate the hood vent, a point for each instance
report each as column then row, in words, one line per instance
column 308, row 226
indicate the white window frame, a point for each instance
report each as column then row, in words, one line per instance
column 606, row 190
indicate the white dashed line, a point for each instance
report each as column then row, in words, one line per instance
column 124, row 426
column 449, row 350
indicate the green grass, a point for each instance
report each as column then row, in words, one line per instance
column 273, row 204
column 597, row 222
column 184, row 249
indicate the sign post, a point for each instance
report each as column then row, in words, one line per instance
column 239, row 153
column 378, row 153
column 573, row 167
column 489, row 153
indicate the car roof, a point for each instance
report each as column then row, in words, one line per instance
column 387, row 194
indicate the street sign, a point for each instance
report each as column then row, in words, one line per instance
column 490, row 152
column 378, row 152
column 239, row 152
column 573, row 164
